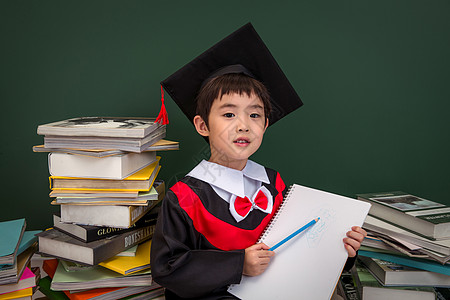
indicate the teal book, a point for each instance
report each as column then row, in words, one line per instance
column 11, row 233
column 409, row 262
column 28, row 239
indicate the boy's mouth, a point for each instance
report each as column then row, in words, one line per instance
column 241, row 141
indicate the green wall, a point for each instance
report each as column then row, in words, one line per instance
column 374, row 77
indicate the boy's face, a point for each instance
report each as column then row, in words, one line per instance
column 236, row 128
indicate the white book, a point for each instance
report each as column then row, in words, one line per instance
column 111, row 167
column 100, row 126
column 309, row 265
column 119, row 216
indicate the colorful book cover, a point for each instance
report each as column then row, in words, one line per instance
column 128, row 265
column 11, row 233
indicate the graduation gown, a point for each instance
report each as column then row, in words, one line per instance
column 198, row 247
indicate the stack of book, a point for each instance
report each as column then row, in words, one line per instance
column 407, row 251
column 104, row 178
column 17, row 279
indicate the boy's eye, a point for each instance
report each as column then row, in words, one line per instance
column 255, row 115
column 228, row 115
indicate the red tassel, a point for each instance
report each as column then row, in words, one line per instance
column 162, row 118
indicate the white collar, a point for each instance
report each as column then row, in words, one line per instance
column 228, row 179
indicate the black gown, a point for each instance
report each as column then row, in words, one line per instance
column 198, row 247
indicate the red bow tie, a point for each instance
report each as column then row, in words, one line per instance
column 244, row 205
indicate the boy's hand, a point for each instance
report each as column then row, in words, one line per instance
column 354, row 239
column 257, row 258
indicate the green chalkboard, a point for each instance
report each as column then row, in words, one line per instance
column 374, row 77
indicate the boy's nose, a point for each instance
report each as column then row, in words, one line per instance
column 242, row 126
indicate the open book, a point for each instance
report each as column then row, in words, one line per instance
column 309, row 265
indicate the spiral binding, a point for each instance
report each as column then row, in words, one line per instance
column 275, row 216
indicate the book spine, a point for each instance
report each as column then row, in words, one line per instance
column 97, row 233
column 275, row 216
column 122, row 242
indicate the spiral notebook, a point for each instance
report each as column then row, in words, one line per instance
column 309, row 265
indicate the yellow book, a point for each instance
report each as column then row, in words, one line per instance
column 126, row 265
column 139, row 181
column 17, row 294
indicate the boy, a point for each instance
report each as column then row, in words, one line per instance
column 210, row 221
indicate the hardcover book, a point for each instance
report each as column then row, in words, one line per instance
column 392, row 274
column 88, row 233
column 369, row 288
column 428, row 218
column 101, row 126
column 139, row 181
column 53, row 242
column 112, row 167
column 119, row 216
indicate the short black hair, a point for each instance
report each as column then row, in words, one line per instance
column 229, row 84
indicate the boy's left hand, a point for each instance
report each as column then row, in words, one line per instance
column 354, row 239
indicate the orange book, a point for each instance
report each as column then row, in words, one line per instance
column 49, row 266
column 90, row 293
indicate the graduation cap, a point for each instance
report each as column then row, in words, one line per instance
column 243, row 51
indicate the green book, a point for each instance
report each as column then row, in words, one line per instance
column 96, row 277
column 44, row 288
column 369, row 288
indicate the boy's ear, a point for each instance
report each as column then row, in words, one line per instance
column 200, row 126
column 267, row 124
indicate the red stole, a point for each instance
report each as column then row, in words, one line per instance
column 220, row 234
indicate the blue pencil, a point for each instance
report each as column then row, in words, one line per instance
column 294, row 234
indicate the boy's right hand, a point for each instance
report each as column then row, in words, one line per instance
column 257, row 258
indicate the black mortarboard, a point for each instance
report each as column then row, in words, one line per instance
column 243, row 51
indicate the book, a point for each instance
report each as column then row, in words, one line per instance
column 111, row 167
column 346, row 287
column 392, row 274
column 100, row 126
column 129, row 252
column 425, row 217
column 27, row 280
column 19, row 267
column 380, row 226
column 139, row 181
column 111, row 293
column 94, row 142
column 369, row 288
column 11, row 233
column 96, row 277
column 141, row 199
column 88, row 233
column 161, row 145
column 118, row 216
column 417, row 263
column 318, row 252
column 93, row 193
column 55, row 243
column 129, row 265
column 28, row 239
column 18, row 295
